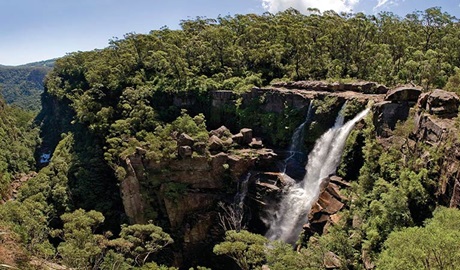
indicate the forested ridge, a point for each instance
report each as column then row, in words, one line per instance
column 131, row 99
column 23, row 85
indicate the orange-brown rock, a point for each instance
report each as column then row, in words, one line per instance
column 330, row 201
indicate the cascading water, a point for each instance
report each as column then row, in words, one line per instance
column 293, row 163
column 286, row 223
column 239, row 200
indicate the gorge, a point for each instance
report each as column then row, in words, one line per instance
column 189, row 193
column 201, row 147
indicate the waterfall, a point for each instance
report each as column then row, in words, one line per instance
column 286, row 223
column 238, row 201
column 242, row 191
column 293, row 164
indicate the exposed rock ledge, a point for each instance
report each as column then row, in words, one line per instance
column 359, row 86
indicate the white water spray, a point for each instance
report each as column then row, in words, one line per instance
column 286, row 223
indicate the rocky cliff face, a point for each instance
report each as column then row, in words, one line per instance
column 436, row 124
column 184, row 192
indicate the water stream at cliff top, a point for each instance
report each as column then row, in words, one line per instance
column 287, row 221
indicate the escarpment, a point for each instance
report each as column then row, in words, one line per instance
column 240, row 164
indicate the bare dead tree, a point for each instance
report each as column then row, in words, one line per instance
column 231, row 217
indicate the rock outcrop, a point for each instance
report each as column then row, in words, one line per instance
column 325, row 211
column 186, row 190
column 434, row 118
column 440, row 103
column 359, row 87
column 396, row 107
column 387, row 114
column 404, row 94
column 435, row 125
column 181, row 189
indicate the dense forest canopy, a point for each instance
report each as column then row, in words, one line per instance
column 23, row 85
column 102, row 106
column 219, row 53
column 111, row 90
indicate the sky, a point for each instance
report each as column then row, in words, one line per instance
column 35, row 30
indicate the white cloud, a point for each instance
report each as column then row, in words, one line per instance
column 274, row 6
column 381, row 4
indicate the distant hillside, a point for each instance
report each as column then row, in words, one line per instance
column 22, row 85
column 46, row 63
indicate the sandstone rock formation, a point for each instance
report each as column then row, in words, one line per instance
column 330, row 201
column 435, row 125
column 404, row 93
column 360, row 86
column 441, row 103
column 185, row 191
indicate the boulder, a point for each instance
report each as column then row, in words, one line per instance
column 329, row 203
column 200, row 148
column 222, row 132
column 339, row 181
column 215, row 143
column 238, row 138
column 228, row 142
column 256, row 143
column 247, row 135
column 334, row 190
column 404, row 93
column 185, row 151
column 185, row 140
column 335, row 218
column 442, row 103
column 369, row 88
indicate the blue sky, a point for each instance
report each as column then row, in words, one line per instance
column 34, row 30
